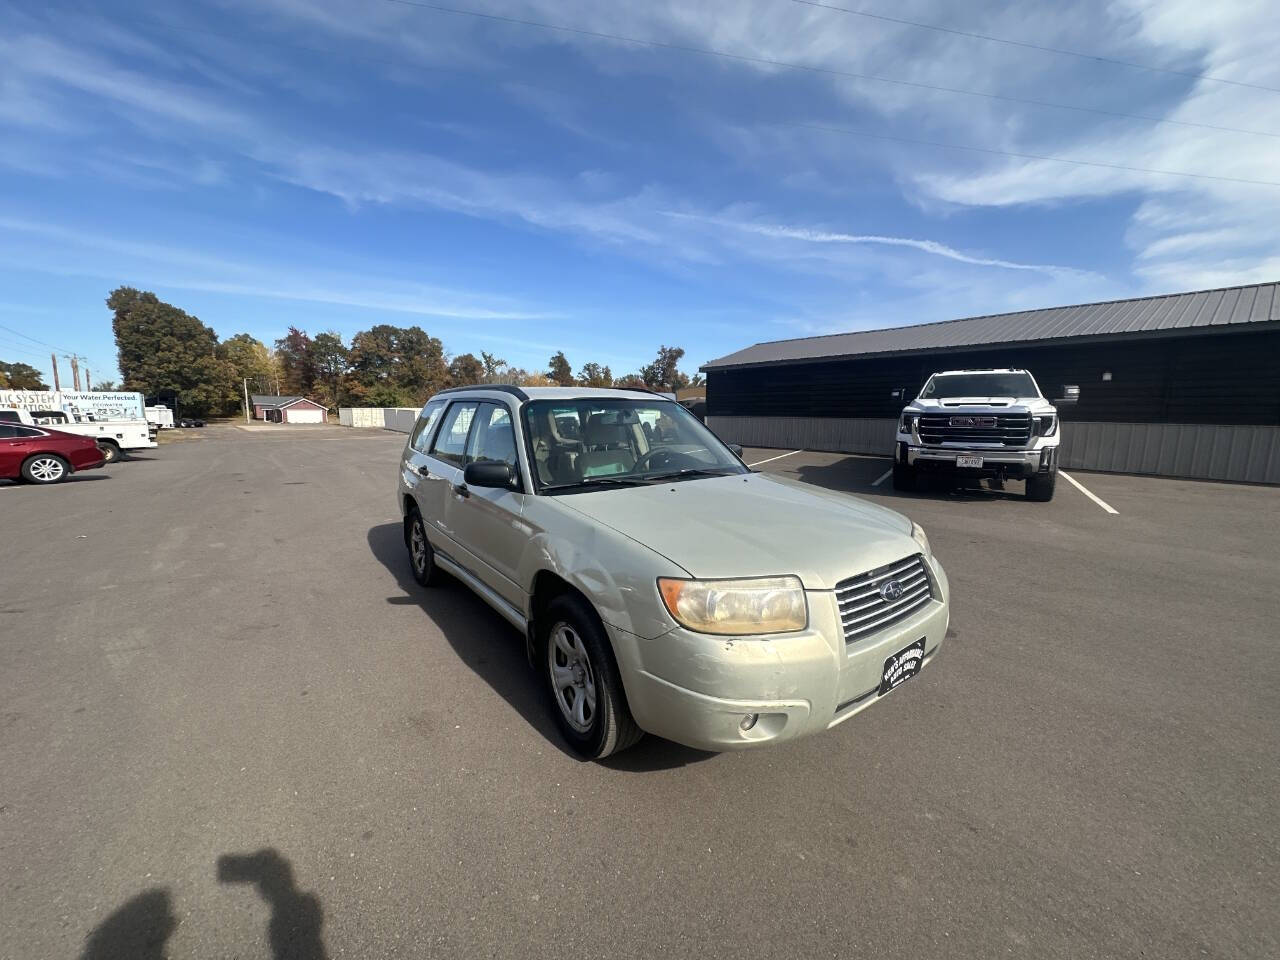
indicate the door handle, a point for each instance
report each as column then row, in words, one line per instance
column 461, row 490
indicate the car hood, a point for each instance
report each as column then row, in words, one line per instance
column 754, row 525
column 962, row 405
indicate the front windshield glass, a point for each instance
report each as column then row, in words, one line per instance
column 979, row 385
column 578, row 443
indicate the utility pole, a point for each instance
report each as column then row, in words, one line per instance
column 53, row 357
column 246, row 400
column 75, row 369
column 277, row 386
column 88, row 384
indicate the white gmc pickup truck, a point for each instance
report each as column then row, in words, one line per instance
column 980, row 423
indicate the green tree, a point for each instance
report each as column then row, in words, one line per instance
column 297, row 372
column 107, row 386
column 492, row 366
column 163, row 348
column 560, row 372
column 329, row 360
column 20, row 376
column 401, row 362
column 662, row 373
column 250, row 357
column 594, row 375
column 466, row 369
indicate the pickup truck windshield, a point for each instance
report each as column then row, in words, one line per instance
column 943, row 386
column 606, row 442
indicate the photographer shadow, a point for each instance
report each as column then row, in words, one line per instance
column 296, row 916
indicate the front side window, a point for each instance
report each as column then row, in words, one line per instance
column 954, row 385
column 494, row 437
column 422, row 429
column 451, row 441
column 575, row 444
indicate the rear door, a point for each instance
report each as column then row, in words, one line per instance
column 485, row 520
column 442, row 468
column 414, row 470
column 12, row 450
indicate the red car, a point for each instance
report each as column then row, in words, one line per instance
column 38, row 455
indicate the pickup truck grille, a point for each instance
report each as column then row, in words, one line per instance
column 1008, row 429
column 863, row 610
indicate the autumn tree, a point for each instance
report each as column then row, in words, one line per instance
column 594, row 375
column 466, row 369
column 493, row 365
column 663, row 372
column 250, row 359
column 20, row 376
column 297, row 369
column 560, row 372
column 396, row 366
column 329, row 360
column 164, row 348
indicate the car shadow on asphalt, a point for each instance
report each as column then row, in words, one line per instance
column 74, row 478
column 495, row 651
column 850, row 476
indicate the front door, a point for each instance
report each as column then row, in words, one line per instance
column 486, row 520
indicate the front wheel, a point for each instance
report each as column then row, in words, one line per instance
column 45, row 468
column 422, row 559
column 582, row 679
column 1040, row 487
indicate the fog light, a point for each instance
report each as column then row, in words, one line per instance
column 749, row 721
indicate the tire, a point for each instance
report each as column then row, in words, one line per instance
column 582, row 680
column 45, row 468
column 422, row 559
column 904, row 477
column 1040, row 488
column 111, row 453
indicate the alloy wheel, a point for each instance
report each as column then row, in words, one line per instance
column 47, row 470
column 573, row 681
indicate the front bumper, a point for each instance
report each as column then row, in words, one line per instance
column 696, row 689
column 1041, row 458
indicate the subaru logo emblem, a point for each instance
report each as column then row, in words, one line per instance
column 891, row 590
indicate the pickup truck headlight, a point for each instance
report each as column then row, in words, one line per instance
column 1046, row 426
column 907, row 423
column 736, row 607
column 918, row 535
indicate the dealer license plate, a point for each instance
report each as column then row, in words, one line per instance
column 968, row 461
column 902, row 666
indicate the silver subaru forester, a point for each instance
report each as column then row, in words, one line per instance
column 661, row 585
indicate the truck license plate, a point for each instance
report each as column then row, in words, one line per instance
column 968, row 461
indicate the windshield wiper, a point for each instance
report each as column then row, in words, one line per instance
column 598, row 482
column 688, row 473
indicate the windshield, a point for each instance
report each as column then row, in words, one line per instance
column 941, row 386
column 576, row 444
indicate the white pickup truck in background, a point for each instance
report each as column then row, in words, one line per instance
column 116, row 420
column 992, row 424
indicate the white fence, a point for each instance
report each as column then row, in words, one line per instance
column 400, row 419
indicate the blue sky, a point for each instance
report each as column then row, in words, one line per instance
column 333, row 164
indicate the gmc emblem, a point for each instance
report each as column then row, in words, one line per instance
column 973, row 421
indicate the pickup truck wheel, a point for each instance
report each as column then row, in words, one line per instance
column 1040, row 488
column 582, row 678
column 422, row 559
column 904, row 477
column 45, row 468
column 110, row 452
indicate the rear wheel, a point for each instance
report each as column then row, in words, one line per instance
column 422, row 560
column 1040, row 487
column 582, row 678
column 110, row 452
column 45, row 468
column 904, row 477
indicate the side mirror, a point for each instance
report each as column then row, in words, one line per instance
column 735, row 449
column 489, row 473
column 1070, row 396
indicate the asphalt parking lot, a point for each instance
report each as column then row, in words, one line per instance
column 231, row 725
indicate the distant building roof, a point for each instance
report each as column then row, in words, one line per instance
column 270, row 400
column 1258, row 303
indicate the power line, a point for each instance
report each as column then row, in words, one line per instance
column 830, row 71
column 1027, row 156
column 1035, row 46
column 34, row 340
column 8, row 347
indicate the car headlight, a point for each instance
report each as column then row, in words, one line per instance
column 1046, row 425
column 918, row 535
column 736, row 607
column 907, row 423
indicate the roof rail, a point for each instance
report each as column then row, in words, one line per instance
column 639, row 390
column 495, row 387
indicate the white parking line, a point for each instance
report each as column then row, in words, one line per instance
column 1087, row 492
column 883, row 477
column 778, row 457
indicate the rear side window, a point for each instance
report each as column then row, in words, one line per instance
column 427, row 420
column 451, row 440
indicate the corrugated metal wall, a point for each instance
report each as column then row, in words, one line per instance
column 400, row 419
column 1196, row 450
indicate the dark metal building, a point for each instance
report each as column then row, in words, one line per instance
column 1181, row 385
